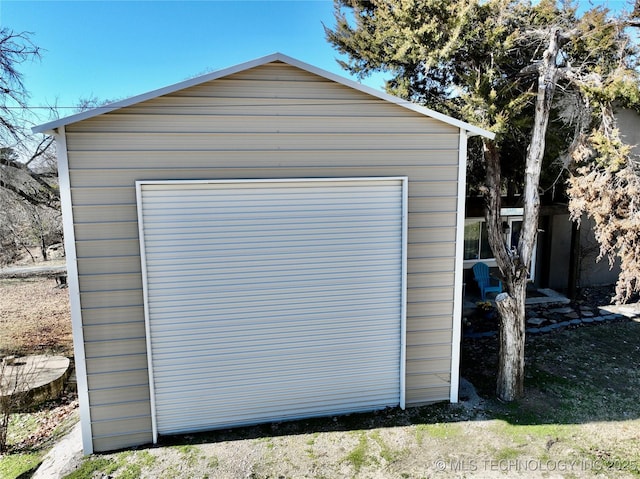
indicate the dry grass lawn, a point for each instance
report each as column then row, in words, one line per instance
column 34, row 317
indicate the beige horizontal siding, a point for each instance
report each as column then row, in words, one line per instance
column 433, row 220
column 319, row 89
column 114, row 264
column 105, row 397
column 104, row 214
column 274, row 121
column 276, row 71
column 428, row 323
column 256, row 141
column 430, row 250
column 126, row 409
column 419, row 364
column 128, row 177
column 101, row 196
column 100, row 248
column 113, row 316
column 421, row 338
column 441, row 293
column 129, row 362
column 121, row 441
column 97, row 160
column 118, row 379
column 106, row 299
column 194, row 122
column 115, row 347
column 247, row 106
column 430, row 265
column 439, row 391
column 114, row 427
column 430, row 351
column 429, row 280
column 425, row 309
column 114, row 331
column 116, row 230
column 432, row 204
column 108, row 282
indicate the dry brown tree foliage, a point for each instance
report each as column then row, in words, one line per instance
column 608, row 191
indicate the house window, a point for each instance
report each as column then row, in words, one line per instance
column 476, row 242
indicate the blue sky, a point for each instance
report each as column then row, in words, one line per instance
column 117, row 49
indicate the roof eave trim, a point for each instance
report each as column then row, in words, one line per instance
column 471, row 130
column 50, row 126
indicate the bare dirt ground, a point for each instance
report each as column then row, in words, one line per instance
column 34, row 317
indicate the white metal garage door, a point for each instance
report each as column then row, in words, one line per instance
column 272, row 300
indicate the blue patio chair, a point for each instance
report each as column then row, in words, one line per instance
column 484, row 280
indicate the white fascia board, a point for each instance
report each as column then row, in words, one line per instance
column 470, row 130
column 52, row 125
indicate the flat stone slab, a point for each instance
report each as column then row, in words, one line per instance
column 536, row 321
column 550, row 297
column 39, row 378
column 565, row 310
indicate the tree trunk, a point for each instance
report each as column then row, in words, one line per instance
column 514, row 265
column 511, row 307
column 43, row 247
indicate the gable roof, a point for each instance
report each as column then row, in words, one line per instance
column 275, row 57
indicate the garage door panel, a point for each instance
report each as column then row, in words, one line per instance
column 257, row 318
column 250, row 380
column 333, row 293
column 164, row 267
column 231, row 358
column 268, row 307
column 199, row 231
column 291, row 325
column 244, row 377
column 272, row 299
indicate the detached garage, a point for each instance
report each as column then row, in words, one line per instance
column 263, row 243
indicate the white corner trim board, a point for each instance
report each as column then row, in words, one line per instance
column 271, row 300
column 74, row 290
column 459, row 270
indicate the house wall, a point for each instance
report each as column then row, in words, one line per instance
column 628, row 121
column 272, row 121
column 591, row 273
